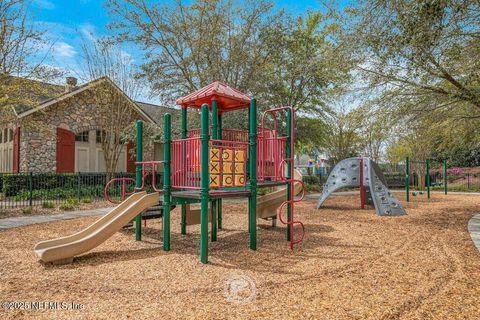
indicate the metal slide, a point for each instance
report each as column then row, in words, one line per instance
column 62, row 250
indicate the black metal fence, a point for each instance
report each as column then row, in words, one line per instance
column 51, row 189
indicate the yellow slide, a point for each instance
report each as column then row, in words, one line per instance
column 267, row 205
column 62, row 250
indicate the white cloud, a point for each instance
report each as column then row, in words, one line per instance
column 88, row 30
column 44, row 4
column 63, row 49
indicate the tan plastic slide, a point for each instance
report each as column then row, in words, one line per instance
column 62, row 250
column 266, row 205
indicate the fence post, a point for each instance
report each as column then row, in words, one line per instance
column 445, row 180
column 427, row 164
column 30, row 188
column 407, row 178
column 78, row 186
column 468, row 181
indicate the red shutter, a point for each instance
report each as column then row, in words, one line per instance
column 65, row 150
column 131, row 157
column 16, row 150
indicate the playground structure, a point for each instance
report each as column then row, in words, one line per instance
column 206, row 165
column 366, row 174
column 418, row 176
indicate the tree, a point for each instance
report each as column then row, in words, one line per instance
column 424, row 55
column 115, row 115
column 20, row 45
column 309, row 64
column 343, row 140
column 374, row 132
column 188, row 46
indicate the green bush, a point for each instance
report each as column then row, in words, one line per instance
column 70, row 204
column 27, row 210
column 313, row 188
column 311, row 180
column 87, row 200
column 48, row 205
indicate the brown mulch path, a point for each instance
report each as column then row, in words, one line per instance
column 353, row 265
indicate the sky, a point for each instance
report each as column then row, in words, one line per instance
column 68, row 22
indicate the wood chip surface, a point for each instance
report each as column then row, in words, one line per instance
column 352, row 265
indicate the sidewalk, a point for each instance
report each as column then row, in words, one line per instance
column 16, row 222
column 474, row 229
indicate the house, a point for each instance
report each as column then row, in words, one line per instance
column 60, row 130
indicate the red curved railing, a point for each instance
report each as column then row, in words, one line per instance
column 124, row 189
column 146, row 172
column 279, row 161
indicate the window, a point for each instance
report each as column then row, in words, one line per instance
column 100, row 136
column 10, row 137
column 5, row 135
column 82, row 137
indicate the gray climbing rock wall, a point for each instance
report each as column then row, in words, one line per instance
column 347, row 174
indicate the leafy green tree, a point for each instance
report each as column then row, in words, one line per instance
column 21, row 42
column 424, row 55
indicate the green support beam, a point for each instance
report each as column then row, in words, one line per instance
column 288, row 155
column 183, row 223
column 214, row 136
column 407, row 178
column 445, row 178
column 138, row 176
column 252, row 161
column 204, row 184
column 219, row 201
column 427, row 165
column 167, row 186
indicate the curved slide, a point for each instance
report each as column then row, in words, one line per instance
column 267, row 205
column 62, row 250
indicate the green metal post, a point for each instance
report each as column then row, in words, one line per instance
column 288, row 155
column 167, row 186
column 219, row 201
column 427, row 165
column 252, row 161
column 204, row 183
column 407, row 178
column 138, row 176
column 183, row 133
column 214, row 136
column 445, row 180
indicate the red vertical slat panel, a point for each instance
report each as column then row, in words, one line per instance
column 65, row 150
column 16, row 150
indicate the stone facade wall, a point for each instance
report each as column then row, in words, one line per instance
column 38, row 141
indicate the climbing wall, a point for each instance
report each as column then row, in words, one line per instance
column 347, row 174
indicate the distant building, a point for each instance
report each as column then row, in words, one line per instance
column 69, row 138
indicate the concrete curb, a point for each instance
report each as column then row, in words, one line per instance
column 474, row 229
column 15, row 222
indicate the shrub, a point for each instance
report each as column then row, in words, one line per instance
column 70, row 204
column 48, row 205
column 314, row 180
column 27, row 210
column 87, row 200
column 313, row 188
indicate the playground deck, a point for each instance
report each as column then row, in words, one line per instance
column 353, row 265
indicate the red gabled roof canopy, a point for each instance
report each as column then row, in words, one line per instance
column 228, row 98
